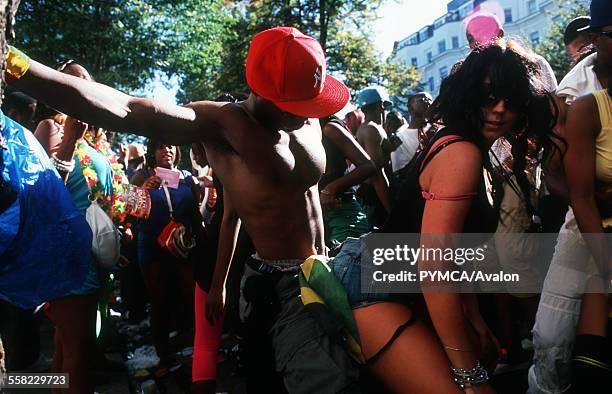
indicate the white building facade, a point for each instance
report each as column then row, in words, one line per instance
column 435, row 48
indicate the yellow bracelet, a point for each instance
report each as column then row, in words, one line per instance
column 17, row 62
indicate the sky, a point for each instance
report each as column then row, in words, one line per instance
column 400, row 18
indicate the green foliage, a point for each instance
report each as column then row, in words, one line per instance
column 340, row 25
column 115, row 39
column 196, row 35
column 203, row 43
column 123, row 42
column 552, row 48
column 353, row 56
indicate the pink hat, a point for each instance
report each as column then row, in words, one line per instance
column 483, row 27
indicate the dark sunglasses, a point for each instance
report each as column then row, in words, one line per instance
column 491, row 99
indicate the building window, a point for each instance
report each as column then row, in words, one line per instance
column 429, row 57
column 532, row 7
column 443, row 72
column 442, row 46
column 455, row 41
column 508, row 14
column 431, row 84
column 535, row 37
column 464, row 11
column 414, row 61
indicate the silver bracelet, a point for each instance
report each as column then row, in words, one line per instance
column 62, row 165
column 469, row 377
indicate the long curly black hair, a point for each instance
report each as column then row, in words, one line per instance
column 513, row 75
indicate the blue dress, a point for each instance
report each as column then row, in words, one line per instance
column 45, row 242
column 183, row 206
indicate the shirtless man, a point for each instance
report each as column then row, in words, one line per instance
column 268, row 154
column 371, row 135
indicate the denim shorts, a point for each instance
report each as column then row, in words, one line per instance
column 348, row 266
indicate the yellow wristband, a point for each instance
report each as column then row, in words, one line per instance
column 17, row 62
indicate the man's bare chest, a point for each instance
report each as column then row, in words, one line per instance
column 295, row 161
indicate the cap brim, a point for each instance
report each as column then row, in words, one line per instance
column 584, row 28
column 332, row 99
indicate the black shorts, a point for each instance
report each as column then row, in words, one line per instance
column 284, row 345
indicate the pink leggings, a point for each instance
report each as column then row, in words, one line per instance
column 206, row 342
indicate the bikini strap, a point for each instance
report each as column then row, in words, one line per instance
column 395, row 335
column 460, row 197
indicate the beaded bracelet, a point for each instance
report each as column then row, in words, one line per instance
column 61, row 165
column 469, row 377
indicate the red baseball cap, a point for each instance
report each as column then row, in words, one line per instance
column 288, row 68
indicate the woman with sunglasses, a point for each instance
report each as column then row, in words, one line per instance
column 439, row 343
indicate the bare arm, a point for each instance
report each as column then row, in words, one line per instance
column 351, row 149
column 49, row 134
column 60, row 140
column 228, row 236
column 553, row 168
column 373, row 146
column 109, row 108
column 456, row 170
column 579, row 162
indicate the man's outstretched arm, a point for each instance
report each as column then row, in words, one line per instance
column 106, row 107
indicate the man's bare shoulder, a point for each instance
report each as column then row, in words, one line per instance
column 371, row 132
column 206, row 109
column 221, row 112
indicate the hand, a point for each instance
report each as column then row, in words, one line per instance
column 328, row 200
column 206, row 181
column 123, row 151
column 154, row 182
column 74, row 128
column 489, row 347
column 215, row 303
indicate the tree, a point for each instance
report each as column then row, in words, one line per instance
column 116, row 40
column 340, row 25
column 123, row 43
column 198, row 41
column 552, row 47
column 202, row 43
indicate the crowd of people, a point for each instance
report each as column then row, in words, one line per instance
column 295, row 176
